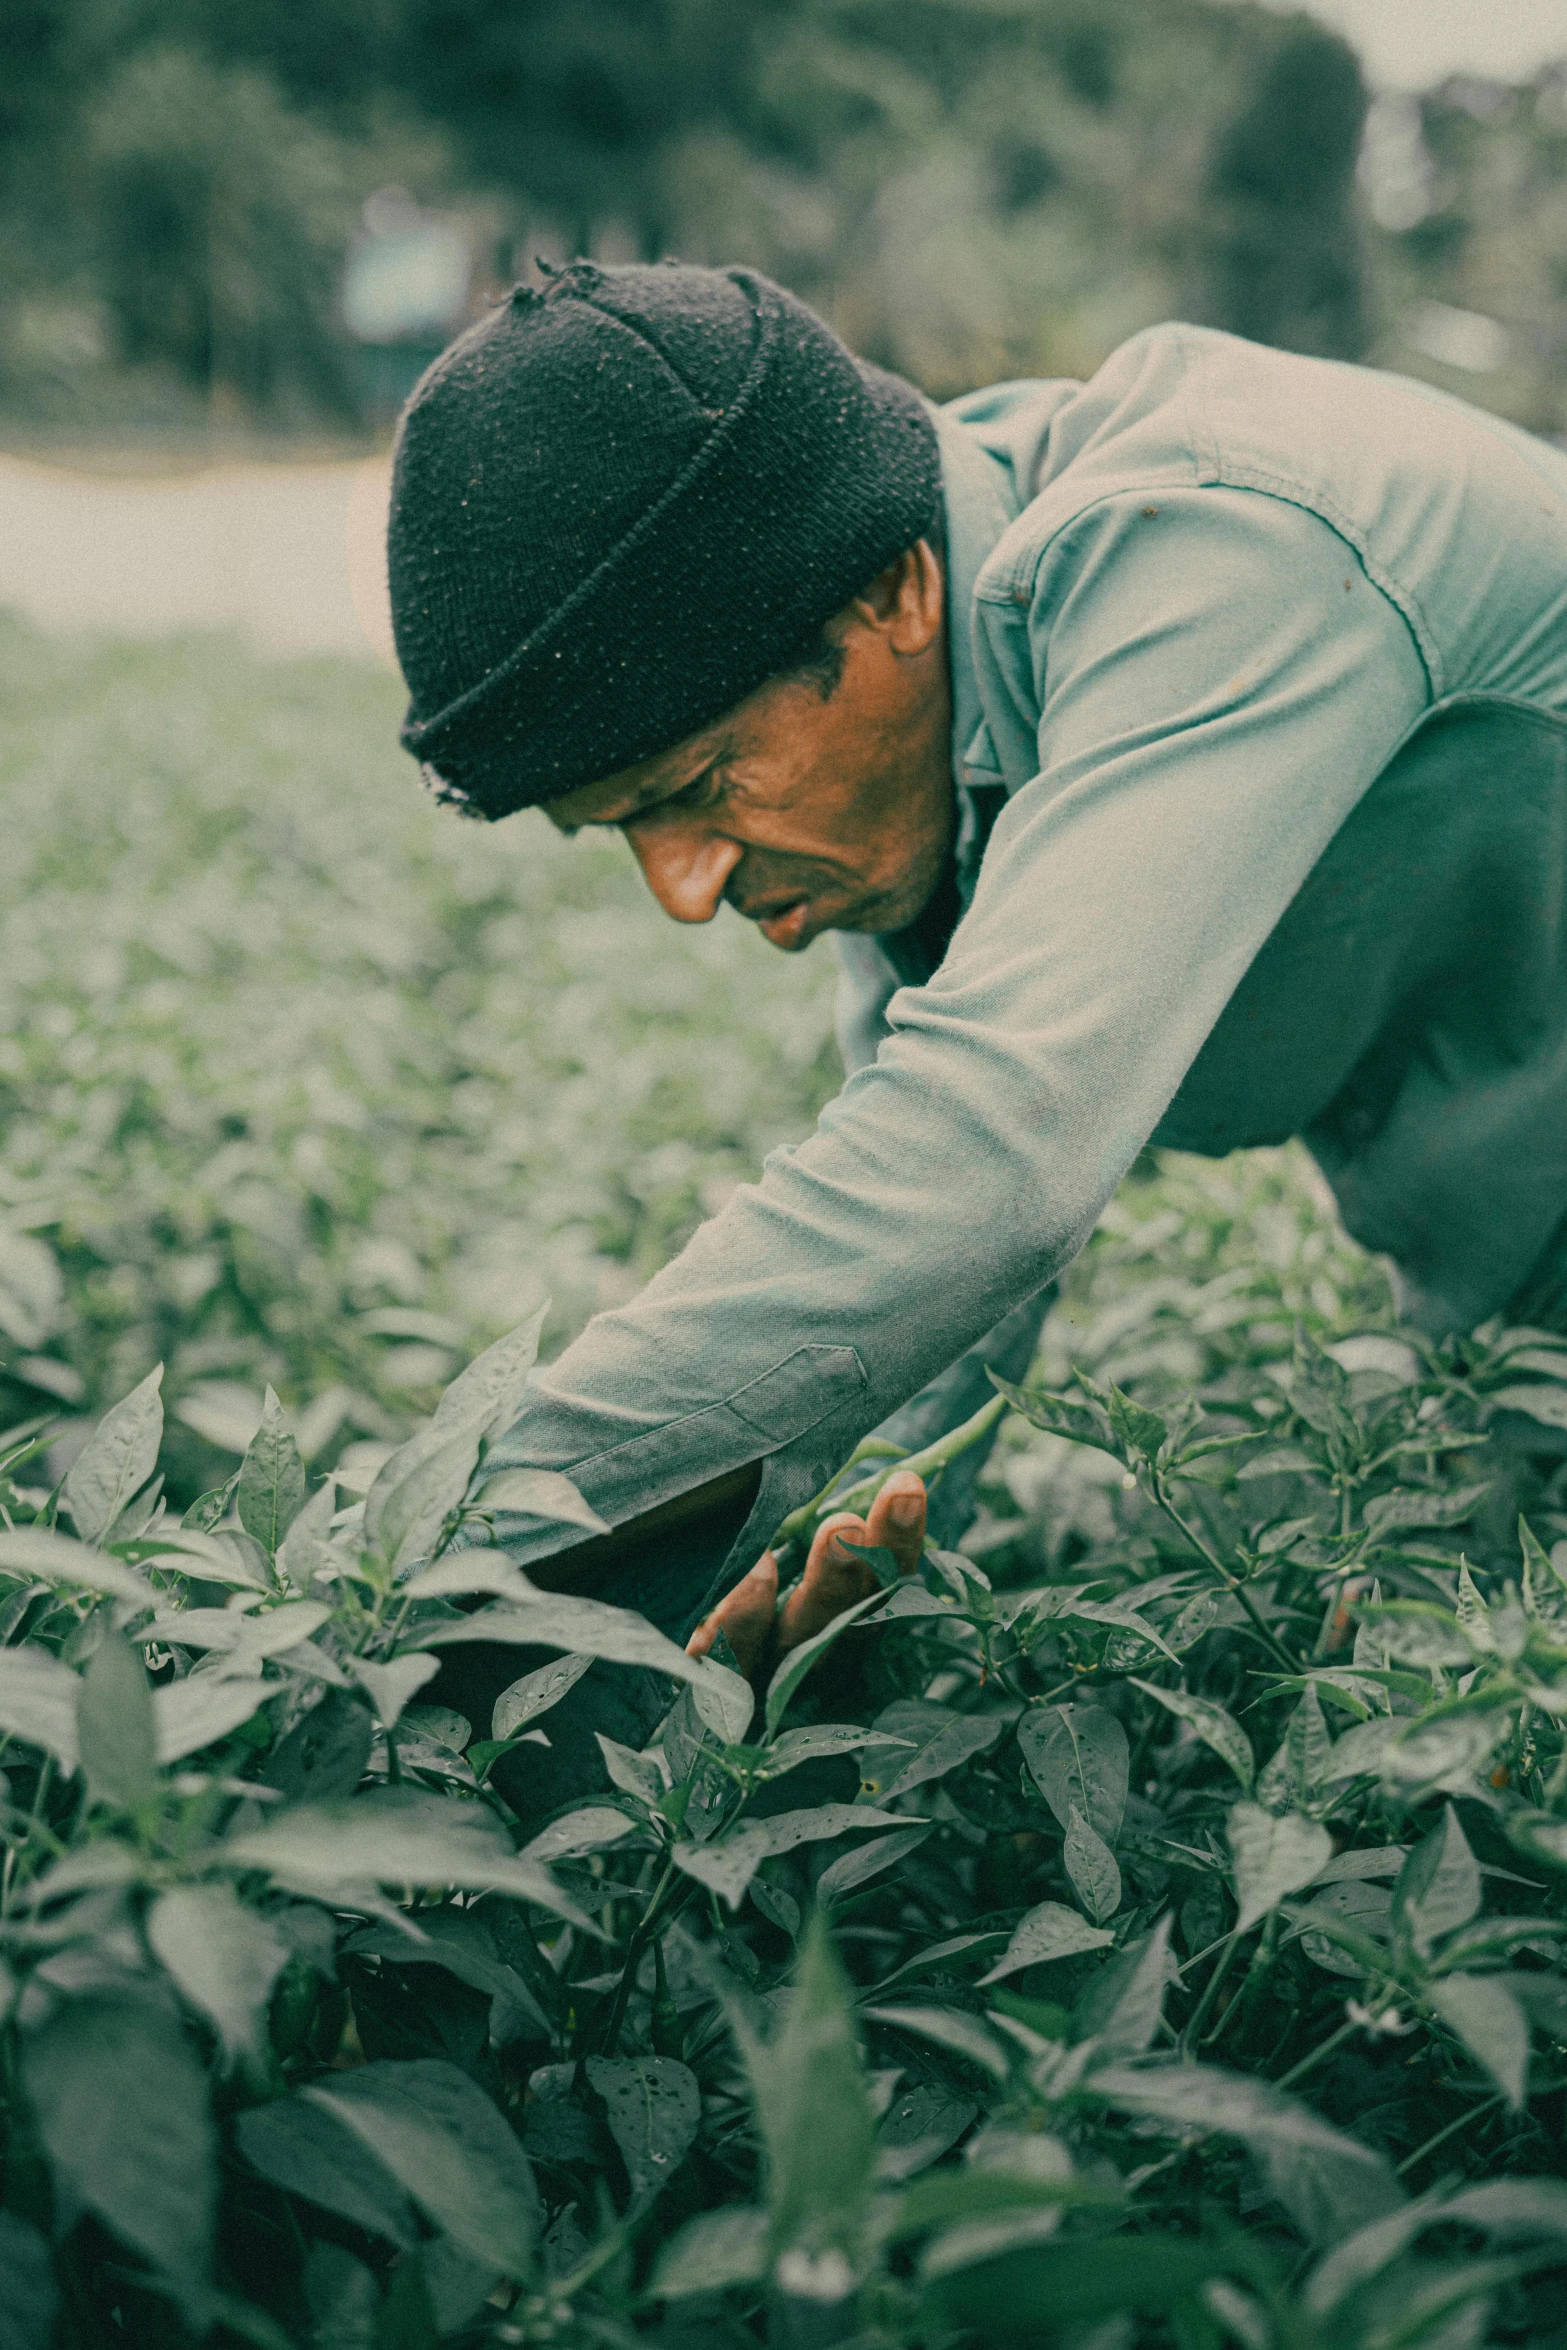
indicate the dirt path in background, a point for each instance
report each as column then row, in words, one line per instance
column 290, row 555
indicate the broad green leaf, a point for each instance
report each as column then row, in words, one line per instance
column 1059, row 1415
column 324, row 1755
column 1304, row 1756
column 1273, row 1857
column 800, row 1661
column 252, row 1636
column 1381, row 1860
column 1506, row 2207
column 523, row 1701
column 794, row 1747
column 952, row 2028
column 558, row 1619
column 1417, row 1632
column 1407, row 1508
column 308, row 2151
column 390, row 1686
column 1438, row 1887
column 1362, row 1751
column 444, row 2141
column 1213, row 1726
column 1328, row 2183
column 1091, row 1866
column 931, row 1956
column 1512, row 2207
column 1049, row 1931
column 813, row 2109
column 933, row 1740
column 38, row 1696
column 1445, row 1753
column 460, row 1942
column 636, row 1775
column 653, row 2107
column 1492, row 2026
column 271, row 1489
column 1139, row 1431
column 43, row 1555
column 207, row 1557
column 920, row 2124
column 1279, row 1460
column 224, row 1957
column 416, row 1490
column 29, row 2297
column 394, row 1837
column 489, row 1394
column 576, row 1832
column 727, row 1865
column 847, row 1874
column 1365, row 1908
column 724, row 1700
column 719, row 2249
column 1548, row 1405
column 463, row 1573
column 538, row 1493
column 120, row 2098
column 1123, row 2003
column 1077, row 1757
column 188, row 1715
column 306, row 1549
column 1473, row 1615
column 115, row 1731
column 116, row 1461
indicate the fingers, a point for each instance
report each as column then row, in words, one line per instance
column 834, row 1578
column 745, row 1617
column 897, row 1519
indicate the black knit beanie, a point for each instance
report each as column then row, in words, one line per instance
column 619, row 506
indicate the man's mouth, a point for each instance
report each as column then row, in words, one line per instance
column 785, row 927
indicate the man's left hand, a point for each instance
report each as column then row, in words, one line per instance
column 760, row 1631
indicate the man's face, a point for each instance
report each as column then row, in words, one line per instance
column 803, row 813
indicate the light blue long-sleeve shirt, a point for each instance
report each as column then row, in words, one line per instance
column 1259, row 670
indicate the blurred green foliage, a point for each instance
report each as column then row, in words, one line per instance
column 303, row 1081
column 969, row 188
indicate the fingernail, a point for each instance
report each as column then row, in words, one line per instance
column 904, row 1508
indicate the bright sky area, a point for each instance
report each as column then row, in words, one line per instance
column 1407, row 44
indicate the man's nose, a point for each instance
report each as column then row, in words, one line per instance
column 685, row 866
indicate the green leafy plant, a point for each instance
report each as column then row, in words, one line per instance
column 1154, row 1939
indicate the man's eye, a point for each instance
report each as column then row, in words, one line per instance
column 705, row 792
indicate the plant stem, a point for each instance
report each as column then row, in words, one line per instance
column 1431, row 2144
column 641, row 1936
column 938, row 1455
column 1334, row 2040
column 1210, row 1992
column 1230, row 1582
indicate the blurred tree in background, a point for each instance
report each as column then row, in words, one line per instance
column 1469, row 187
column 967, row 187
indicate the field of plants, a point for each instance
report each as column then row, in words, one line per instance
column 1138, row 1931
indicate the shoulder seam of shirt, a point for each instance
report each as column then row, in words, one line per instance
column 1313, row 500
column 1007, row 587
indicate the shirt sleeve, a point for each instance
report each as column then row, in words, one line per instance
column 1216, row 683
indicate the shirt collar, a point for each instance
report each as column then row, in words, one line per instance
column 977, row 494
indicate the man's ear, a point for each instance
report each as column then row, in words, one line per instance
column 906, row 603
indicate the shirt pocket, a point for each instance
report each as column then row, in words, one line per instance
column 769, row 1412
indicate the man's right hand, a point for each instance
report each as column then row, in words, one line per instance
column 760, row 1631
